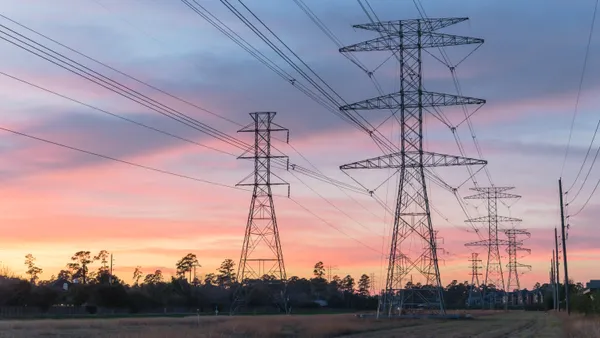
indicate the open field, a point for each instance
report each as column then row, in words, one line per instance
column 581, row 326
column 512, row 324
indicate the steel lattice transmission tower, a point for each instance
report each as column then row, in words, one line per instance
column 475, row 285
column 493, row 266
column 412, row 222
column 261, row 258
column 514, row 246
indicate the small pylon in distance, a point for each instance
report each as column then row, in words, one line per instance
column 493, row 266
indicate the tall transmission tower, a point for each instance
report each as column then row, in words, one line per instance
column 261, row 259
column 413, row 242
column 475, row 285
column 493, row 266
column 514, row 246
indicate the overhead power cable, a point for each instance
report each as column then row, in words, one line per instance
column 77, row 68
column 122, row 73
column 135, row 96
column 583, row 164
column 85, row 72
column 115, row 115
column 336, row 228
column 357, row 120
column 166, row 172
column 585, row 60
column 587, row 201
column 119, row 160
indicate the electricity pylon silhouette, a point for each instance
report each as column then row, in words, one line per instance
column 407, row 39
column 261, row 258
column 493, row 266
column 475, row 285
column 514, row 246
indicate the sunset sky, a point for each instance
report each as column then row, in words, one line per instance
column 55, row 201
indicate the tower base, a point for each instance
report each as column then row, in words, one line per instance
column 260, row 297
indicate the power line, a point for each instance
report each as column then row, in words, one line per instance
column 585, row 59
column 166, row 172
column 118, row 88
column 587, row 201
column 342, row 190
column 334, row 227
column 232, row 35
column 115, row 115
column 332, row 204
column 340, row 185
column 362, row 124
column 286, row 58
column 122, row 73
column 582, row 165
column 118, row 160
column 135, row 96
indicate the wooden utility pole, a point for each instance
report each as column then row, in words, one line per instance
column 553, row 280
column 556, row 271
column 564, row 247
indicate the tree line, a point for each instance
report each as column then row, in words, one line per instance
column 96, row 288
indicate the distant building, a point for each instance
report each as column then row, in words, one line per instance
column 62, row 284
column 592, row 286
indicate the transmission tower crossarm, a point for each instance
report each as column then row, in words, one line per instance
column 412, row 99
column 485, row 195
column 412, row 159
column 523, row 249
column 517, row 232
column 397, row 26
column 412, row 40
column 486, row 242
column 499, row 219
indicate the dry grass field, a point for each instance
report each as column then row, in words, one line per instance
column 580, row 326
column 512, row 324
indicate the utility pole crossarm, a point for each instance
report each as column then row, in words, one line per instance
column 397, row 26
column 412, row 100
column 412, row 159
column 412, row 40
